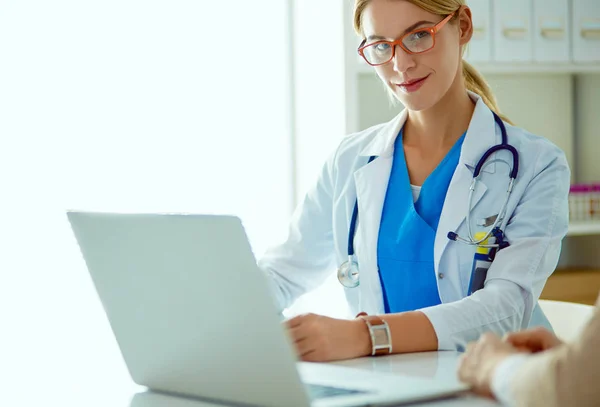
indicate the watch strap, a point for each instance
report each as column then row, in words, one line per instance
column 379, row 330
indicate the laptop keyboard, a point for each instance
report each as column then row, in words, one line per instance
column 316, row 391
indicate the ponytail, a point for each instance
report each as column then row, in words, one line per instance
column 477, row 84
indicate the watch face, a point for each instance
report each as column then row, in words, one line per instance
column 380, row 334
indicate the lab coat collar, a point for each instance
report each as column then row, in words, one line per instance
column 481, row 135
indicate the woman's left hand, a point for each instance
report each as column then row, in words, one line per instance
column 480, row 360
column 321, row 339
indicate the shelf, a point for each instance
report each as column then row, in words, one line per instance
column 583, row 228
column 573, row 285
column 522, row 68
column 537, row 68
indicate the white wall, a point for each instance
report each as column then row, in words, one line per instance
column 584, row 251
column 319, row 118
column 125, row 105
column 588, row 126
column 539, row 103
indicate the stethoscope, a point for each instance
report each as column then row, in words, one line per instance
column 348, row 272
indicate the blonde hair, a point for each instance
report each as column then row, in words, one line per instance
column 473, row 79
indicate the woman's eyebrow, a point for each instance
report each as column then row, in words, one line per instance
column 409, row 29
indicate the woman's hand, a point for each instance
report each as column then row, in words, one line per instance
column 322, row 339
column 533, row 340
column 479, row 362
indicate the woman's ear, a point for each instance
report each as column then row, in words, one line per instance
column 465, row 25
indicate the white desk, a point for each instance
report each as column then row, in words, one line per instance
column 81, row 376
column 434, row 365
column 149, row 399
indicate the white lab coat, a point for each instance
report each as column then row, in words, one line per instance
column 535, row 223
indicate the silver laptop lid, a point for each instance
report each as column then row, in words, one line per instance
column 188, row 306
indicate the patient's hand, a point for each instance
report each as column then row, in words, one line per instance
column 533, row 340
column 480, row 360
column 322, row 339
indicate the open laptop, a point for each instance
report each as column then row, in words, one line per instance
column 193, row 315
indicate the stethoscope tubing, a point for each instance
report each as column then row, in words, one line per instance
column 344, row 271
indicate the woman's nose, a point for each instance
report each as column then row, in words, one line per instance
column 402, row 61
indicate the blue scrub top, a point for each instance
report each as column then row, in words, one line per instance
column 407, row 233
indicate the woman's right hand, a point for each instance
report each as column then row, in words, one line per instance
column 533, row 340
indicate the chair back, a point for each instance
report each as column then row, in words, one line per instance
column 567, row 318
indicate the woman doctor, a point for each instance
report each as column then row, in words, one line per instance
column 410, row 179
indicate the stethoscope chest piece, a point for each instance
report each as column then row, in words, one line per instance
column 348, row 274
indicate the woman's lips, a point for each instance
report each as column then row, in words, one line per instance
column 412, row 86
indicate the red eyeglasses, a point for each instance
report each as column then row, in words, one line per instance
column 415, row 42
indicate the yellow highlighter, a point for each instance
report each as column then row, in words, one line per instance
column 481, row 263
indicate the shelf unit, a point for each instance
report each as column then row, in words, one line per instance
column 537, row 68
column 584, row 228
column 514, row 68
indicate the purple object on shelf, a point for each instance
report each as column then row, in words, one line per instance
column 576, row 189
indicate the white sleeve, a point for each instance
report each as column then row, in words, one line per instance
column 501, row 382
column 517, row 275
